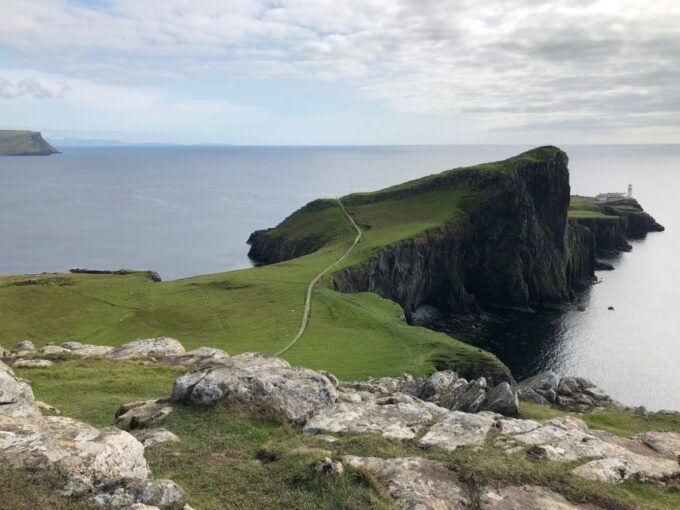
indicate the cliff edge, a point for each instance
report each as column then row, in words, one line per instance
column 24, row 143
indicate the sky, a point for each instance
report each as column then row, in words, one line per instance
column 309, row 72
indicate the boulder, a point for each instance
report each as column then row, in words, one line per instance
column 16, row 395
column 330, row 467
column 569, row 393
column 141, row 494
column 399, row 421
column 150, row 347
column 455, row 429
column 33, row 363
column 466, row 397
column 150, row 437
column 502, row 400
column 142, row 413
column 4, row 353
column 71, row 345
column 263, row 382
column 92, row 351
column 526, row 498
column 416, row 483
column 664, row 443
column 24, row 345
column 53, row 349
column 203, row 357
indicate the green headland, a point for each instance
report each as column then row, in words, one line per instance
column 24, row 143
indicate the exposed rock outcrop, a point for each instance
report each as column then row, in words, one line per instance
column 150, row 347
column 568, row 393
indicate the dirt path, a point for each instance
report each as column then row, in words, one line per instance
column 310, row 288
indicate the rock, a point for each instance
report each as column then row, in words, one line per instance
column 263, row 382
column 525, row 498
column 150, row 347
column 161, row 494
column 4, row 353
column 16, row 395
column 641, row 411
column 142, row 413
column 456, row 429
column 510, row 426
column 71, row 447
column 24, row 345
column 53, row 349
column 568, row 422
column 502, row 400
column 610, row 308
column 440, row 383
column 71, row 345
column 46, row 408
column 416, row 483
column 466, row 397
column 33, row 363
column 150, row 437
column 329, row 466
column 399, row 421
column 569, row 393
column 664, row 443
column 203, row 357
column 92, row 351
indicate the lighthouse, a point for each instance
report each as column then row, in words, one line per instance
column 630, row 191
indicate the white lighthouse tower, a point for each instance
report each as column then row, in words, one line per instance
column 630, row 191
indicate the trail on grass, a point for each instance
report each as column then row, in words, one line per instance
column 310, row 287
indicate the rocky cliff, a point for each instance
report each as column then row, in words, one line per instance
column 513, row 246
column 24, row 143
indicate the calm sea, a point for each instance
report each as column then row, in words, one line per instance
column 184, row 211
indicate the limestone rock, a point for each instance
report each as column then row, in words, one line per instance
column 24, row 345
column 526, row 498
column 399, row 421
column 331, row 467
column 33, row 363
column 203, row 357
column 150, row 347
column 416, row 483
column 142, row 413
column 266, row 383
column 664, row 443
column 16, row 395
column 456, row 429
column 53, row 349
column 150, row 437
column 502, row 400
column 466, row 397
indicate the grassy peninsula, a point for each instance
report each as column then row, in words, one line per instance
column 24, row 143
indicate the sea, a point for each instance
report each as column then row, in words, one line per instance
column 188, row 210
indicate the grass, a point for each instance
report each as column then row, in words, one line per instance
column 587, row 207
column 229, row 458
column 18, row 142
column 259, row 309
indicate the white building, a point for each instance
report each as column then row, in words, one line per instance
column 608, row 197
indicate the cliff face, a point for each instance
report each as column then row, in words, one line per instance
column 508, row 251
column 24, row 143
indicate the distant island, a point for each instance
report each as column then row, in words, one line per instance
column 24, row 143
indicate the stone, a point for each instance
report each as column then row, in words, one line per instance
column 72, row 447
column 92, row 351
column 569, row 393
column 33, row 363
column 439, row 384
column 142, row 413
column 330, row 467
column 264, row 383
column 53, row 349
column 147, row 348
column 399, row 421
column 525, row 498
column 150, row 437
column 16, row 395
column 161, row 494
column 416, row 483
column 502, row 400
column 24, row 345
column 456, row 429
column 71, row 345
column 4, row 353
column 664, row 443
column 46, row 408
column 203, row 357
column 511, row 426
column 466, row 397
column 568, row 422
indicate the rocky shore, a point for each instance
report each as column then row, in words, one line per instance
column 442, row 412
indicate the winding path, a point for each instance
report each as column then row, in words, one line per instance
column 310, row 287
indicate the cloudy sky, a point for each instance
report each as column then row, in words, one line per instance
column 343, row 72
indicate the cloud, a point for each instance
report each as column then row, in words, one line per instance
column 40, row 88
column 535, row 62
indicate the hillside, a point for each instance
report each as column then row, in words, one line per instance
column 24, row 143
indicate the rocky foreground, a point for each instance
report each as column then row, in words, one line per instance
column 442, row 412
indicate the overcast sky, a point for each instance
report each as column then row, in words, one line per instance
column 343, row 71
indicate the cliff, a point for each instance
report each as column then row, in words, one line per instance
column 501, row 235
column 24, row 143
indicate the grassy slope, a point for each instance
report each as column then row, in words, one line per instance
column 256, row 309
column 230, row 459
column 17, row 142
column 587, row 207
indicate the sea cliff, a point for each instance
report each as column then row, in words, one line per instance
column 24, row 143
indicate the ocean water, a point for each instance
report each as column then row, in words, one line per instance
column 184, row 211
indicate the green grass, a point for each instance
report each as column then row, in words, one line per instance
column 230, row 458
column 587, row 207
column 18, row 142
